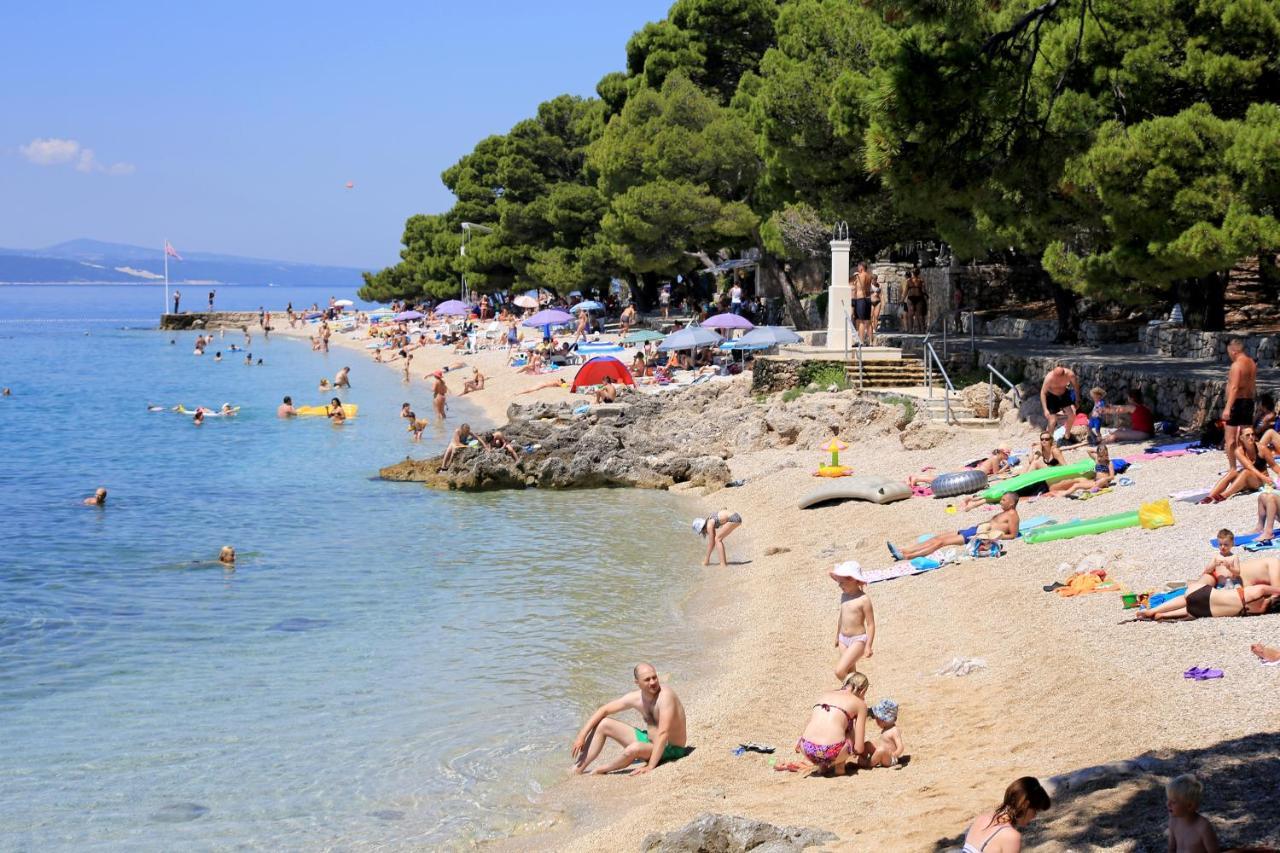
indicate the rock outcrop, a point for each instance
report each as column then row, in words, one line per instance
column 714, row 833
column 648, row 441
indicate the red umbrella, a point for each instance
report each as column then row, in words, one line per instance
column 594, row 371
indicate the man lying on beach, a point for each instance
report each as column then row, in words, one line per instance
column 662, row 740
column 1003, row 525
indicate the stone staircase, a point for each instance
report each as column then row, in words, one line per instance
column 889, row 372
column 900, row 372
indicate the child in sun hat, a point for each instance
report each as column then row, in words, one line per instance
column 889, row 748
column 856, row 620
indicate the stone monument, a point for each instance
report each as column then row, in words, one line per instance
column 840, row 332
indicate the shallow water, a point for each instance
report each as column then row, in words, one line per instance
column 387, row 667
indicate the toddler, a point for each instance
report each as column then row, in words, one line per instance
column 1225, row 565
column 1189, row 831
column 856, row 622
column 888, row 750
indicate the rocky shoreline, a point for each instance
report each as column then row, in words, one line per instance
column 647, row 441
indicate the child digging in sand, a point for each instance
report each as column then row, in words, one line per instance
column 889, row 749
column 1189, row 831
column 856, row 622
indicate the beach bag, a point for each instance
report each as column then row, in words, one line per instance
column 984, row 548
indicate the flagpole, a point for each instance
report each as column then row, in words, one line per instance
column 166, row 275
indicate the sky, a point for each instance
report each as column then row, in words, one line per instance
column 235, row 126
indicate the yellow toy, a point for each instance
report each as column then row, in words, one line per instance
column 835, row 469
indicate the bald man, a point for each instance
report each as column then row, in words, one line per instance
column 663, row 739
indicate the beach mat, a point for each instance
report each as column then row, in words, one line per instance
column 877, row 490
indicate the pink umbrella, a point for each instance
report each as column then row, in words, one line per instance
column 727, row 321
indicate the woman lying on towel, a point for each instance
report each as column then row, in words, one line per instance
column 1204, row 601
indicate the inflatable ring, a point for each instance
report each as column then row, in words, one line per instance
column 960, row 483
column 833, row 471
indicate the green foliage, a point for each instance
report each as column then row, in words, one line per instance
column 908, row 405
column 824, row 375
column 792, row 394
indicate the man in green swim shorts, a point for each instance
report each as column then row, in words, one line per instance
column 663, row 715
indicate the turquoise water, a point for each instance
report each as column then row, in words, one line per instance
column 387, row 667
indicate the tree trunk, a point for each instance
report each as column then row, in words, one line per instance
column 644, row 290
column 1204, row 303
column 1065, row 302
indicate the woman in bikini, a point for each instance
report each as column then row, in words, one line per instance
column 716, row 528
column 916, row 302
column 1255, row 473
column 1103, row 473
column 999, row 831
column 1046, row 455
column 1204, row 601
column 836, row 732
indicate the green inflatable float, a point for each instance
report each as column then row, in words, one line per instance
column 1041, row 475
column 1150, row 516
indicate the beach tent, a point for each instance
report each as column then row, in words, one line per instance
column 453, row 308
column 594, row 371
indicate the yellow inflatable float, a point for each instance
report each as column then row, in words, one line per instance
column 323, row 411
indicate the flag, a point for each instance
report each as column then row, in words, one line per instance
column 170, row 251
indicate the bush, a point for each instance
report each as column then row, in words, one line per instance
column 825, row 375
column 908, row 406
column 791, row 394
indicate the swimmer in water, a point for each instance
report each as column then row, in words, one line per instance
column 198, row 418
column 151, row 407
column 99, row 498
column 336, row 413
column 227, row 556
column 227, row 409
column 217, row 356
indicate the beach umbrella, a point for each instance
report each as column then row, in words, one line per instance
column 642, row 336
column 313, row 316
column 588, row 305
column 690, row 337
column 549, row 317
column 344, row 303
column 526, row 301
column 834, row 446
column 606, row 348
column 408, row 315
column 727, row 321
column 453, row 308
column 770, row 336
column 594, row 371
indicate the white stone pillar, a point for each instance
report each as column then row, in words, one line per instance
column 840, row 333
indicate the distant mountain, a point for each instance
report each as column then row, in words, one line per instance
column 85, row 261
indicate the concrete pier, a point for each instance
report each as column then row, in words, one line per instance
column 209, row 320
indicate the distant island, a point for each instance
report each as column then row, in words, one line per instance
column 95, row 262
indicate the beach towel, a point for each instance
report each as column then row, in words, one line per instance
column 1161, row 597
column 1084, row 584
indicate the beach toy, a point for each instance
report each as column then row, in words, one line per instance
column 951, row 509
column 322, row 411
column 959, row 483
column 877, row 490
column 1130, row 600
column 835, row 469
column 997, row 490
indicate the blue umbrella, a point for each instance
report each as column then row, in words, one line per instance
column 769, row 336
column 549, row 317
column 690, row 337
column 588, row 305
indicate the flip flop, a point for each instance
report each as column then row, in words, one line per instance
column 894, row 552
column 1209, row 674
column 1193, row 673
column 752, row 746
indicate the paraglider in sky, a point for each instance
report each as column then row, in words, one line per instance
column 351, row 185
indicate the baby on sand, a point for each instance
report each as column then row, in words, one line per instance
column 856, row 622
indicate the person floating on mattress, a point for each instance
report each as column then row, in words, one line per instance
column 1003, row 525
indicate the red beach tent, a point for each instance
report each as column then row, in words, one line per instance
column 596, row 369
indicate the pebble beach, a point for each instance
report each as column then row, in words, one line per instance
column 1068, row 683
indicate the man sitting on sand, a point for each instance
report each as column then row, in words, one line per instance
column 662, row 740
column 1003, row 525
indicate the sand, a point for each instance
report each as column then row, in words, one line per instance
column 1068, row 684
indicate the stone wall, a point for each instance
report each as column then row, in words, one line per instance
column 1190, row 402
column 1091, row 334
column 1178, row 342
column 772, row 373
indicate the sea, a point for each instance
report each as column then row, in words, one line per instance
column 386, row 668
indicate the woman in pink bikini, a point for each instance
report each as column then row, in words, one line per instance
column 835, row 734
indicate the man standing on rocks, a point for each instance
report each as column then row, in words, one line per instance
column 1059, row 395
column 1241, row 390
column 177, row 297
column 663, row 739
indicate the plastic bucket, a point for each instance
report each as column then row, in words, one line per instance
column 1130, row 600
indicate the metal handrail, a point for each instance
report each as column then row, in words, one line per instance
column 848, row 325
column 995, row 374
column 931, row 356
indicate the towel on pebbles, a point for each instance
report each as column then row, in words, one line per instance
column 962, row 666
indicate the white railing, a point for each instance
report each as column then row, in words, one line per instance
column 848, row 327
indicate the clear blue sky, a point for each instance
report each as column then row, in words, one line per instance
column 233, row 126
